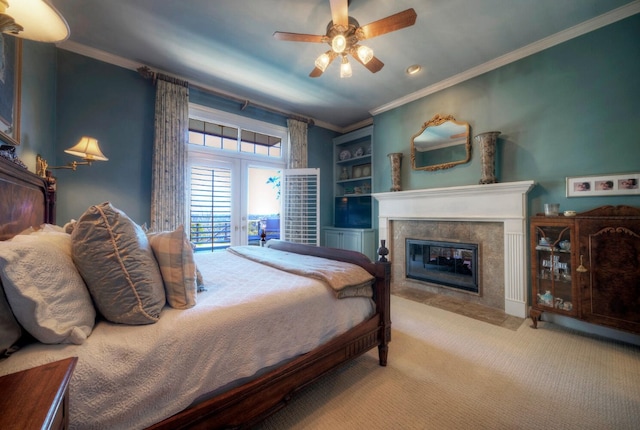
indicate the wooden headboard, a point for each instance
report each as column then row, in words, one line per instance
column 25, row 200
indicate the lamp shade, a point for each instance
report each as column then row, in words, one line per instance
column 37, row 19
column 87, row 149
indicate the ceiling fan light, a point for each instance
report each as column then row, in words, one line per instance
column 339, row 43
column 345, row 68
column 365, row 54
column 322, row 61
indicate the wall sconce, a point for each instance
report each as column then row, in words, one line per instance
column 87, row 149
column 32, row 19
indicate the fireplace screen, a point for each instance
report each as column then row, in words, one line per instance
column 451, row 264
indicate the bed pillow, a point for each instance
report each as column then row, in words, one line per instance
column 114, row 257
column 45, row 291
column 174, row 255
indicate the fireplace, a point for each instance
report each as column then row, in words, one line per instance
column 451, row 264
column 494, row 214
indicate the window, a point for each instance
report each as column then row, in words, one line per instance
column 234, row 163
column 233, row 139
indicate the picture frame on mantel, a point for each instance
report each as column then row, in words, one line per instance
column 603, row 185
column 10, row 89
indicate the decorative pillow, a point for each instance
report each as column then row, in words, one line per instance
column 174, row 255
column 45, row 291
column 114, row 257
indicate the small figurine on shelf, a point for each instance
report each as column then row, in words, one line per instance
column 546, row 298
column 344, row 174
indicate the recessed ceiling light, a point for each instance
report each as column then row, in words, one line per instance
column 412, row 70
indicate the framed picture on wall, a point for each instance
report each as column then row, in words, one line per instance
column 603, row 185
column 10, row 75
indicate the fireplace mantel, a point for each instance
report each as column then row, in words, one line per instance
column 501, row 202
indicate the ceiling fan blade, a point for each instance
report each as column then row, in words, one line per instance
column 298, row 37
column 374, row 65
column 391, row 23
column 316, row 73
column 340, row 12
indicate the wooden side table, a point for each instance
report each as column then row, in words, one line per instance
column 37, row 398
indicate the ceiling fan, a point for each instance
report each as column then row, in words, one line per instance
column 344, row 34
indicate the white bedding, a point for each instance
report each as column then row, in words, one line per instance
column 130, row 377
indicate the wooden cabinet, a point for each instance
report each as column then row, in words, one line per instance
column 361, row 240
column 38, row 397
column 588, row 266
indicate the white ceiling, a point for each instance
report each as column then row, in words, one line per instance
column 227, row 45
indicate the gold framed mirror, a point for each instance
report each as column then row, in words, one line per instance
column 442, row 143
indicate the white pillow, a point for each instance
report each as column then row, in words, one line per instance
column 44, row 289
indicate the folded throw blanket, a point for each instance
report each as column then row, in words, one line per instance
column 345, row 279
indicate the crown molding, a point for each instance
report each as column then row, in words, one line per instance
column 533, row 48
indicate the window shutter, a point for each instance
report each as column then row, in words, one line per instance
column 210, row 207
column 301, row 194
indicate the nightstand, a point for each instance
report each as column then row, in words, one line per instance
column 37, row 398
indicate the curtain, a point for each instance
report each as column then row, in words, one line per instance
column 169, row 167
column 297, row 158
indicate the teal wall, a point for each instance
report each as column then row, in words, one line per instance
column 571, row 110
column 116, row 106
column 38, row 102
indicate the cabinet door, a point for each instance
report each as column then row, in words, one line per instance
column 352, row 241
column 332, row 239
column 610, row 287
column 553, row 269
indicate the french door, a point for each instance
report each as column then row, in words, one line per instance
column 232, row 202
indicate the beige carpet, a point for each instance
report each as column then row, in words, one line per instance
column 448, row 371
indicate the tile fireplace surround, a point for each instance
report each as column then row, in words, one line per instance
column 504, row 203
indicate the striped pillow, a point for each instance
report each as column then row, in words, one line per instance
column 174, row 255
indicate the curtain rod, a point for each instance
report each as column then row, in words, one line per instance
column 147, row 73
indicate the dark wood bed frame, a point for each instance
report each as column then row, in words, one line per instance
column 27, row 200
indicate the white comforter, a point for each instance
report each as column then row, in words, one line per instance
column 252, row 316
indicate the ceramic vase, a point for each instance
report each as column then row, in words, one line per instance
column 396, row 163
column 487, row 142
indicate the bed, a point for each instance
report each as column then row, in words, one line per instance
column 212, row 394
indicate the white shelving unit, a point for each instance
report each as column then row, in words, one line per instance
column 353, row 180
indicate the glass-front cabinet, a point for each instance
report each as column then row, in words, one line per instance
column 553, row 266
column 587, row 266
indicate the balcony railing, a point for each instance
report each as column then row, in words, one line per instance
column 212, row 232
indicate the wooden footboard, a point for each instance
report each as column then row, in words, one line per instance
column 252, row 402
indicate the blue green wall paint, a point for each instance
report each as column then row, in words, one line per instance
column 116, row 106
column 571, row 110
column 38, row 102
